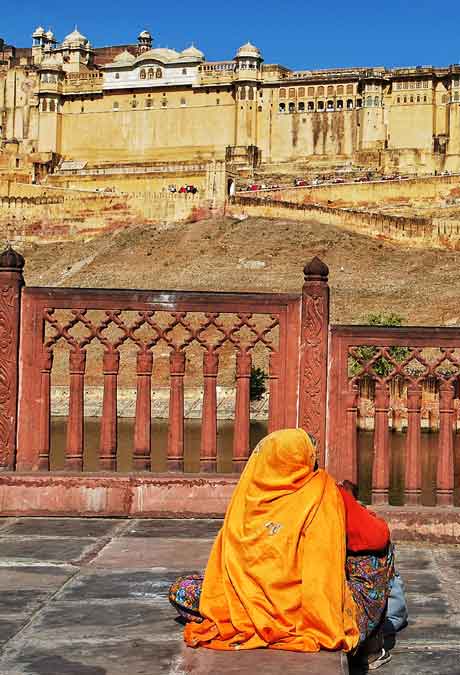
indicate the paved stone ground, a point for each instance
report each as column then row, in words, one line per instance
column 88, row 597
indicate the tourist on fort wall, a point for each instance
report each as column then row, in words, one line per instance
column 276, row 576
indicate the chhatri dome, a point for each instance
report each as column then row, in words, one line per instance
column 50, row 35
column 38, row 32
column 144, row 34
column 248, row 51
column 192, row 52
column 75, row 38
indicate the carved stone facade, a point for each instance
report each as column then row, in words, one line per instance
column 68, row 101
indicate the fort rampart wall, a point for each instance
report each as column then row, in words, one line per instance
column 415, row 231
column 369, row 192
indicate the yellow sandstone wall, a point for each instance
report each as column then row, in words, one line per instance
column 368, row 193
column 100, row 133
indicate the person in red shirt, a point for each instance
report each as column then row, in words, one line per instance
column 370, row 569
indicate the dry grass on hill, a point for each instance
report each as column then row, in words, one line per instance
column 366, row 275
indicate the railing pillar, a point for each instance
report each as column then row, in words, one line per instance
column 241, row 438
column 208, row 451
column 445, row 468
column 313, row 353
column 274, row 412
column 350, row 459
column 142, row 424
column 108, row 443
column 11, row 282
column 381, row 465
column 75, row 426
column 413, row 469
column 176, row 412
column 44, row 425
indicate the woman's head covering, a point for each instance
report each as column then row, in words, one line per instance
column 276, row 573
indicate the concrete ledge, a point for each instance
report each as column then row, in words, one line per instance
column 179, row 496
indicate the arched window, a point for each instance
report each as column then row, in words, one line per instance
column 151, row 74
column 376, row 101
column 418, row 99
column 301, row 106
column 301, row 92
column 340, row 90
column 330, row 105
column 398, row 100
column 369, row 101
column 52, row 106
column 282, row 107
column 291, row 92
column 311, row 91
column 44, row 108
column 143, row 74
column 116, row 105
column 282, row 93
column 251, row 93
column 291, row 106
column 182, row 101
column 320, row 91
column 117, row 76
column 330, row 91
column 320, row 105
column 310, row 106
column 184, row 71
column 158, row 73
column 349, row 88
column 349, row 104
column 405, row 99
column 243, row 93
column 134, row 103
column 411, row 99
column 340, row 104
column 424, row 99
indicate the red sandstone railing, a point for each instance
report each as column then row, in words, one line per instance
column 44, row 320
column 316, row 373
column 411, row 356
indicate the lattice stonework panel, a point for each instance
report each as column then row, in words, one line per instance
column 148, row 349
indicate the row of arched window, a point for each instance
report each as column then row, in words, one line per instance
column 412, row 84
column 321, row 106
column 411, row 99
column 50, row 105
column 300, row 92
column 150, row 73
column 49, row 77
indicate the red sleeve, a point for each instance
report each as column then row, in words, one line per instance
column 365, row 531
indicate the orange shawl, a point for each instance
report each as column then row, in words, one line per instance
column 276, row 574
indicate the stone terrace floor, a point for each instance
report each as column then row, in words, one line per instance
column 88, row 597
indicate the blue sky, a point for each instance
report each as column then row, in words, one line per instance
column 300, row 34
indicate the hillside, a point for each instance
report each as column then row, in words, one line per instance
column 366, row 275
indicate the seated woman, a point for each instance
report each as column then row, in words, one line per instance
column 370, row 570
column 276, row 575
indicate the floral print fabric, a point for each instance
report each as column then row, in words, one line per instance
column 369, row 578
column 184, row 595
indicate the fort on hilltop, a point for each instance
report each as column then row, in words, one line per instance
column 71, row 109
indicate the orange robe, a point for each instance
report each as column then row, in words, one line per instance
column 276, row 573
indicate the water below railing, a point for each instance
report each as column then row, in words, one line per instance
column 192, row 436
